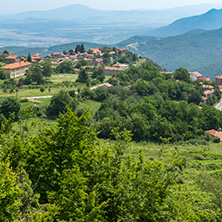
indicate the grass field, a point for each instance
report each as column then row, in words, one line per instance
column 63, row 77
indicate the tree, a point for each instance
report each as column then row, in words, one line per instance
column 29, row 59
column 10, row 106
column 35, row 75
column 3, row 74
column 81, row 63
column 65, row 67
column 83, row 76
column 10, row 193
column 182, row 74
column 46, row 69
column 59, row 102
column 80, row 48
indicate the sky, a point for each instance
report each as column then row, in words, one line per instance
column 14, row 6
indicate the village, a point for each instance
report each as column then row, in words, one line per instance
column 18, row 66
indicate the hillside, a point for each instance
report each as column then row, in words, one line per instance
column 194, row 51
column 208, row 21
column 20, row 51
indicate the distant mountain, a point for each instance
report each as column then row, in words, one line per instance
column 83, row 14
column 208, row 21
column 201, row 51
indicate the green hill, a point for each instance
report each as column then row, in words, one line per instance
column 201, row 51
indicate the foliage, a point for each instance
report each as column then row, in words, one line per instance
column 65, row 67
column 3, row 74
column 35, row 75
column 59, row 102
column 83, row 76
column 10, row 106
column 80, row 48
column 77, row 178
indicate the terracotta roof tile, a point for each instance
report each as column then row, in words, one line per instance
column 16, row 65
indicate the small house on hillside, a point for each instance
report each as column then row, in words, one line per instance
column 195, row 75
column 215, row 133
column 12, row 59
column 16, row 69
column 218, row 80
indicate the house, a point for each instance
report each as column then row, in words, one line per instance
column 204, row 99
column 122, row 66
column 215, row 133
column 208, row 87
column 112, row 70
column 16, row 69
column 57, row 55
column 81, row 55
column 96, row 51
column 36, row 59
column 98, row 62
column 208, row 93
column 218, row 80
column 195, row 75
column 12, row 59
column 89, row 60
column 204, row 79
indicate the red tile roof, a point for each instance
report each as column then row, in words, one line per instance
column 204, row 98
column 11, row 57
column 215, row 133
column 197, row 74
column 208, row 92
column 218, row 77
column 16, row 65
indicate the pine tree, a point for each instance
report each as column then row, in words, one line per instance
column 29, row 59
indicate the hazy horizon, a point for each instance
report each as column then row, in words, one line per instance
column 42, row 5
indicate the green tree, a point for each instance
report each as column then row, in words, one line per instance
column 59, row 102
column 3, row 74
column 10, row 193
column 46, row 69
column 81, row 63
column 29, row 59
column 35, row 75
column 83, row 76
column 182, row 74
column 65, row 67
column 10, row 106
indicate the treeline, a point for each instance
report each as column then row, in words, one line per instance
column 151, row 104
column 154, row 105
column 64, row 173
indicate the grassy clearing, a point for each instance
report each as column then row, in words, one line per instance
column 63, row 77
column 89, row 104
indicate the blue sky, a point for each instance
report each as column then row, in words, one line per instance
column 12, row 6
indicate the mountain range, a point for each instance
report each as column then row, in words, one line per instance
column 208, row 21
column 83, row 14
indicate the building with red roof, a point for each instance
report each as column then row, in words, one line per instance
column 195, row 75
column 16, row 69
column 218, row 80
column 12, row 59
column 215, row 133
